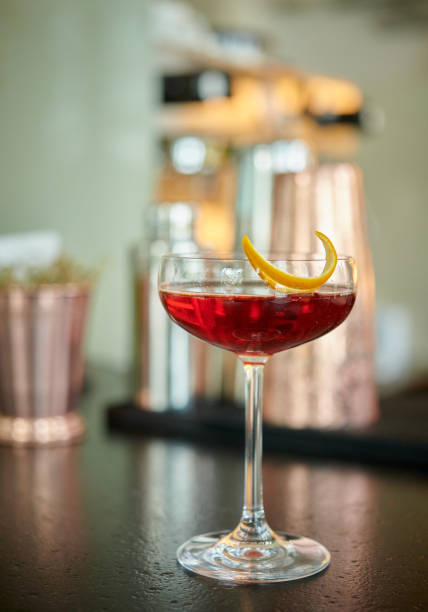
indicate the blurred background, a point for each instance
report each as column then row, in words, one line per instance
column 107, row 107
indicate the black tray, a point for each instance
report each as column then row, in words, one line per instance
column 399, row 438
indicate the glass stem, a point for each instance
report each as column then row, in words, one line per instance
column 253, row 525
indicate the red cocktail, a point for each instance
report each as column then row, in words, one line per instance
column 223, row 301
column 250, row 323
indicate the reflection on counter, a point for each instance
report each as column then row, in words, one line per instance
column 301, row 495
column 43, row 489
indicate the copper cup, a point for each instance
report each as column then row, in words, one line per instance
column 41, row 363
column 328, row 383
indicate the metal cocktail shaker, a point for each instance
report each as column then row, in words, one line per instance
column 329, row 382
column 173, row 366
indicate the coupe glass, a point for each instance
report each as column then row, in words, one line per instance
column 220, row 299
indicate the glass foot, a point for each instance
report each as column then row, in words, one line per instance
column 283, row 558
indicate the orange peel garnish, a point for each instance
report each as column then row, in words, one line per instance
column 279, row 280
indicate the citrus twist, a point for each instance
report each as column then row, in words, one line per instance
column 279, row 280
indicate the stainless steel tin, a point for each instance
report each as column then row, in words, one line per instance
column 329, row 382
column 41, row 363
column 174, row 367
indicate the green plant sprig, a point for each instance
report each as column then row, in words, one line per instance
column 62, row 271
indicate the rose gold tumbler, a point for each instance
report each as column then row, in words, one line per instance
column 41, row 363
column 328, row 383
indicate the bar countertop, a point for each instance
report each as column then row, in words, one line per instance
column 96, row 526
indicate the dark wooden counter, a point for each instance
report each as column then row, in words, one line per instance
column 95, row 527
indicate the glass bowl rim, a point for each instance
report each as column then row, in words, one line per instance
column 274, row 256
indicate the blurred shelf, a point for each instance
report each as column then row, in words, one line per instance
column 264, row 66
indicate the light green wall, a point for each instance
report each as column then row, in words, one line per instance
column 75, row 154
